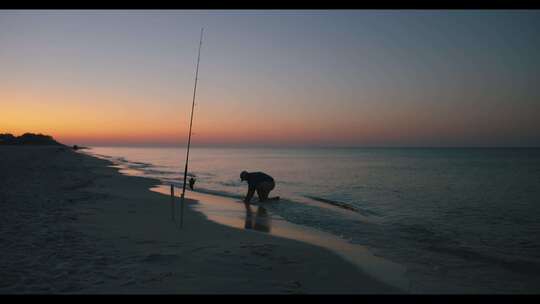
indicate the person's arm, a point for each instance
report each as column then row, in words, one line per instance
column 249, row 195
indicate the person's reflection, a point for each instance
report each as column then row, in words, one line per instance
column 261, row 221
column 249, row 218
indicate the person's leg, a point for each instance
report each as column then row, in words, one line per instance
column 263, row 190
column 271, row 187
column 263, row 195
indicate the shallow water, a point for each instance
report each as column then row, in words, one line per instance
column 460, row 220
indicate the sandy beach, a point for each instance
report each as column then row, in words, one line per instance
column 72, row 224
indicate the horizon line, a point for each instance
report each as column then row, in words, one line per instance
column 312, row 146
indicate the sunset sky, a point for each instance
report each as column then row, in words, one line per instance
column 315, row 78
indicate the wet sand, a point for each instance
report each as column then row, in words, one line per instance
column 72, row 224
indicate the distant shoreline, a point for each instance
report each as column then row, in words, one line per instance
column 8, row 139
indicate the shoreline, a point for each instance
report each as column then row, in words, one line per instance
column 116, row 236
column 226, row 211
column 229, row 210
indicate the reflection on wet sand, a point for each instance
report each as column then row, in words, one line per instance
column 230, row 212
column 260, row 222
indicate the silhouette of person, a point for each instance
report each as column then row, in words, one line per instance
column 191, row 183
column 260, row 182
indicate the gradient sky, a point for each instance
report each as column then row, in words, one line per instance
column 323, row 78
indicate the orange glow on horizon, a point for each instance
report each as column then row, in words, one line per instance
column 114, row 118
column 71, row 117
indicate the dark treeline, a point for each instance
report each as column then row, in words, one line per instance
column 28, row 139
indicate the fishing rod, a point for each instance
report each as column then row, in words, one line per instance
column 189, row 137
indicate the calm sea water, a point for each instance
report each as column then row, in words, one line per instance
column 460, row 220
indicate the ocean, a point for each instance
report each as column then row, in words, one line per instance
column 461, row 220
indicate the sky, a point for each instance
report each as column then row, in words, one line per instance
column 273, row 78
